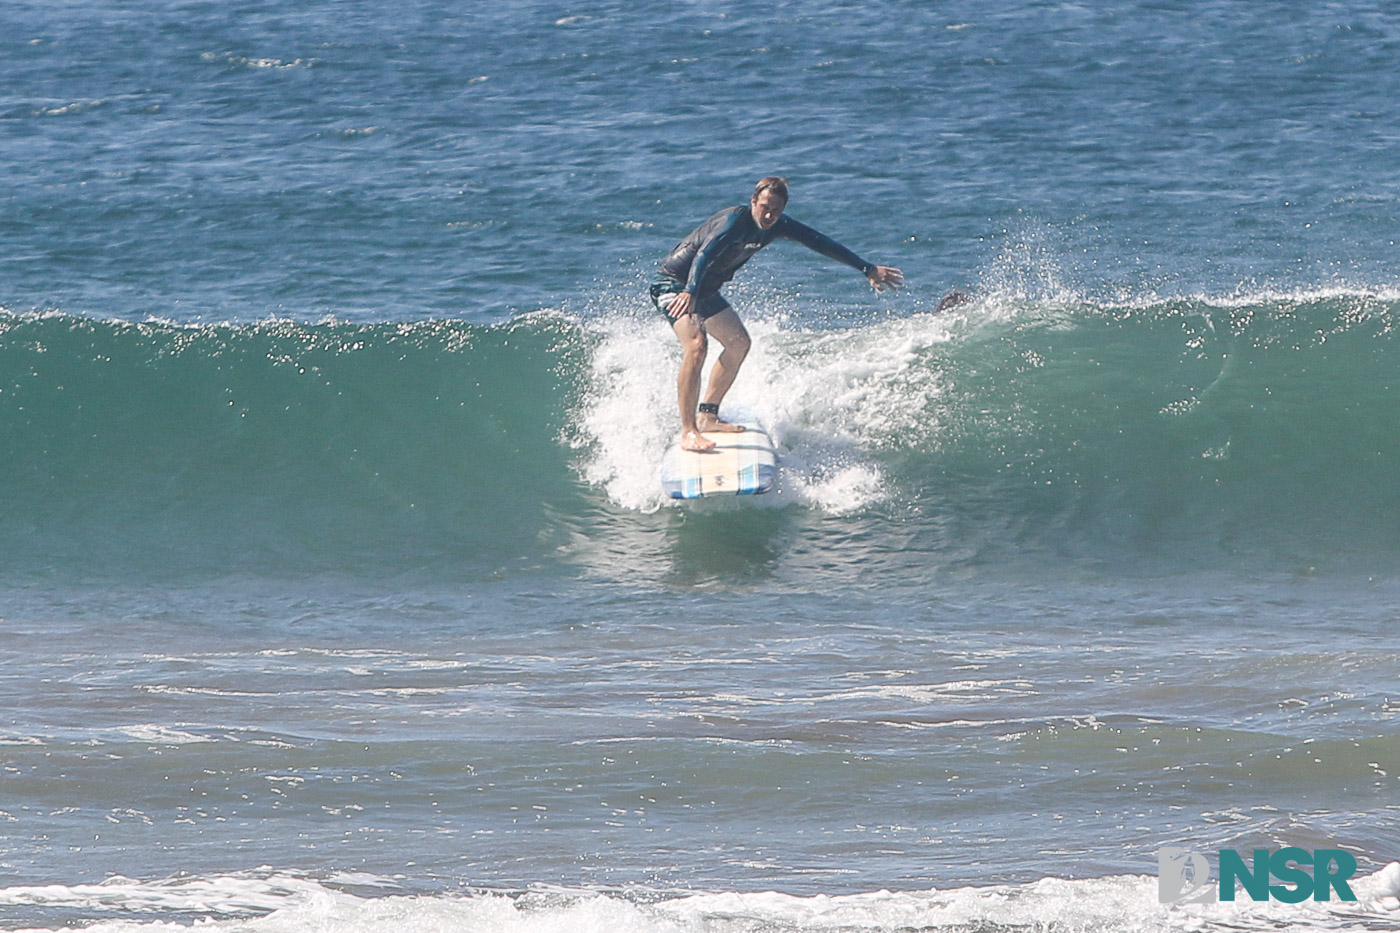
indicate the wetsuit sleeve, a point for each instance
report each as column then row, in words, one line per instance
column 710, row 250
column 801, row 233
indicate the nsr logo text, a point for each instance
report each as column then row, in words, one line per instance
column 1183, row 876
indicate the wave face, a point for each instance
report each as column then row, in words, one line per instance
column 1195, row 430
column 1198, row 429
column 258, row 447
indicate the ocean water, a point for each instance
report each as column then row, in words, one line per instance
column 337, row 588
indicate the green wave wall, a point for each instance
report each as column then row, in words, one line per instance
column 1190, row 432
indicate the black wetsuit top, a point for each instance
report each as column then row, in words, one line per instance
column 714, row 251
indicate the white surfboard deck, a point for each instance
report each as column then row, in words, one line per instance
column 741, row 464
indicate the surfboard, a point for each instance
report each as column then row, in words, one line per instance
column 741, row 464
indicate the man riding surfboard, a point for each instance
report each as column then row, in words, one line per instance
column 687, row 293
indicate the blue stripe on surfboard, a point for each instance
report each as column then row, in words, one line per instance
column 755, row 474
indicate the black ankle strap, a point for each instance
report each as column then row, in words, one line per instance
column 709, row 408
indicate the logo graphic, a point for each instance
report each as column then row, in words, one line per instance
column 1172, row 880
column 1183, row 876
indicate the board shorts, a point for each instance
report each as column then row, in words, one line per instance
column 665, row 290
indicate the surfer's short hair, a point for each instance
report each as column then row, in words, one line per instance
column 774, row 183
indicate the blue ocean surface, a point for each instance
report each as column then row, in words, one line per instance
column 338, row 589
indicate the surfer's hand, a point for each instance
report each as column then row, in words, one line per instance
column 681, row 305
column 883, row 277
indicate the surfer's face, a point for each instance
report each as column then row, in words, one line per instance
column 766, row 207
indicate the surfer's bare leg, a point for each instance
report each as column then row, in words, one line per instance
column 730, row 332
column 694, row 343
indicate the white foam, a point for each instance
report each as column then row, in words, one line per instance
column 222, row 895
column 158, row 734
column 277, row 64
column 77, row 107
column 14, row 738
column 831, row 400
column 624, row 421
column 961, row 690
column 278, row 903
column 1247, row 294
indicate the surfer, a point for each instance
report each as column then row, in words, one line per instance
column 687, row 293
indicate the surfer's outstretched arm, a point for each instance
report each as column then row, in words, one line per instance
column 881, row 277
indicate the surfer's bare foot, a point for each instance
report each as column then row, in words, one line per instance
column 694, row 440
column 708, row 422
